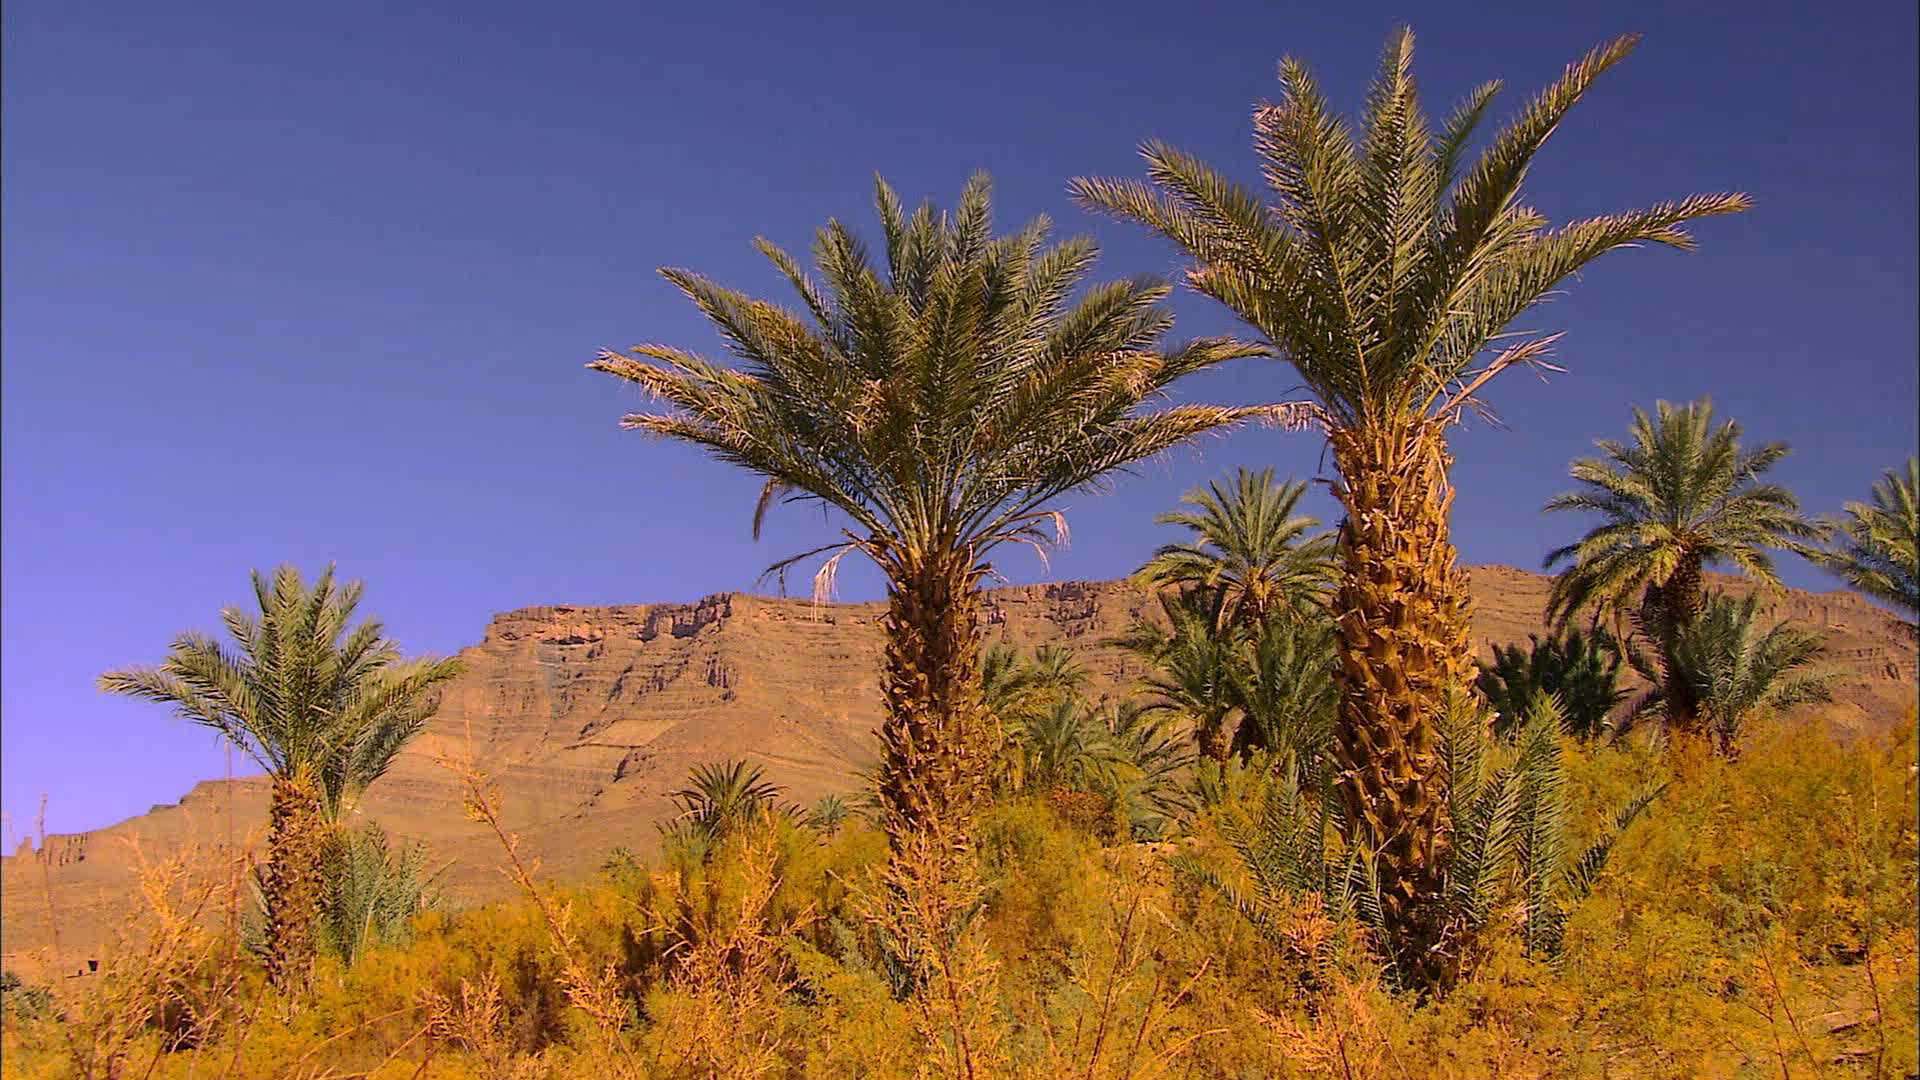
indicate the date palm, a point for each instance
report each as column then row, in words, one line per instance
column 1387, row 271
column 1251, row 550
column 323, row 709
column 1194, row 669
column 1878, row 543
column 1679, row 496
column 942, row 402
column 1734, row 671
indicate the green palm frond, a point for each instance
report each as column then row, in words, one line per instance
column 1252, row 552
column 1681, row 495
column 1382, row 270
column 940, row 401
column 1877, row 544
column 1739, row 671
column 297, row 690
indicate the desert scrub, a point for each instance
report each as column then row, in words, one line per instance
column 1756, row 921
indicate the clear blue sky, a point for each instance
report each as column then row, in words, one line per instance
column 316, row 282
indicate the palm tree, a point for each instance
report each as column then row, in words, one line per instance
column 721, row 797
column 323, row 714
column 1284, row 689
column 1388, row 277
column 1879, row 543
column 1579, row 670
column 829, row 815
column 1734, row 671
column 1065, row 746
column 1012, row 686
column 1251, row 550
column 1194, row 667
column 1680, row 496
column 1149, row 790
column 942, row 407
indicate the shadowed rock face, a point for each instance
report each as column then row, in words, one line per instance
column 588, row 717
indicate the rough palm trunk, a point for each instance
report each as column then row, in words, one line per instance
column 1216, row 743
column 292, row 884
column 1404, row 647
column 1663, row 611
column 938, row 738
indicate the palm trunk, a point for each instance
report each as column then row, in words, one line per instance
column 1216, row 743
column 938, row 738
column 291, row 884
column 1663, row 611
column 1405, row 650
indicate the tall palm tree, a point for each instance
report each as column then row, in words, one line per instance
column 1733, row 670
column 1680, row 496
column 324, row 714
column 942, row 403
column 1388, row 276
column 1251, row 549
column 1878, row 549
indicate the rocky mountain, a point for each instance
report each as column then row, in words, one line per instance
column 587, row 718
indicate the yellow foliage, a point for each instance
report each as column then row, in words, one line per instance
column 1757, row 921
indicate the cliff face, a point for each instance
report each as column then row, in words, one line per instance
column 588, row 717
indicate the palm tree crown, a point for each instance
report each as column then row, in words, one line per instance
column 1878, row 549
column 1680, row 496
column 292, row 693
column 940, row 406
column 1251, row 550
column 1383, row 270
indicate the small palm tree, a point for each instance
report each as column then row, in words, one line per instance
column 942, row 403
column 1580, row 670
column 374, row 891
column 829, row 815
column 1013, row 685
column 1682, row 495
column 1878, row 549
column 1065, row 746
column 1252, row 552
column 1151, row 791
column 720, row 797
column 1734, row 671
column 1387, row 271
column 324, row 714
column 1194, row 666
column 1284, row 688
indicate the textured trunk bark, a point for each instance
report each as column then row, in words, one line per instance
column 1404, row 644
column 1216, row 742
column 291, row 884
column 938, row 738
column 1663, row 611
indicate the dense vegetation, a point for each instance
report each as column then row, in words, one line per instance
column 1757, row 920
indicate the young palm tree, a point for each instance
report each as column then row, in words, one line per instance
column 721, row 797
column 1579, row 670
column 1878, row 552
column 1194, row 669
column 1284, row 688
column 1734, row 671
column 942, row 403
column 323, row 714
column 1681, row 496
column 1251, row 550
column 1388, row 276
